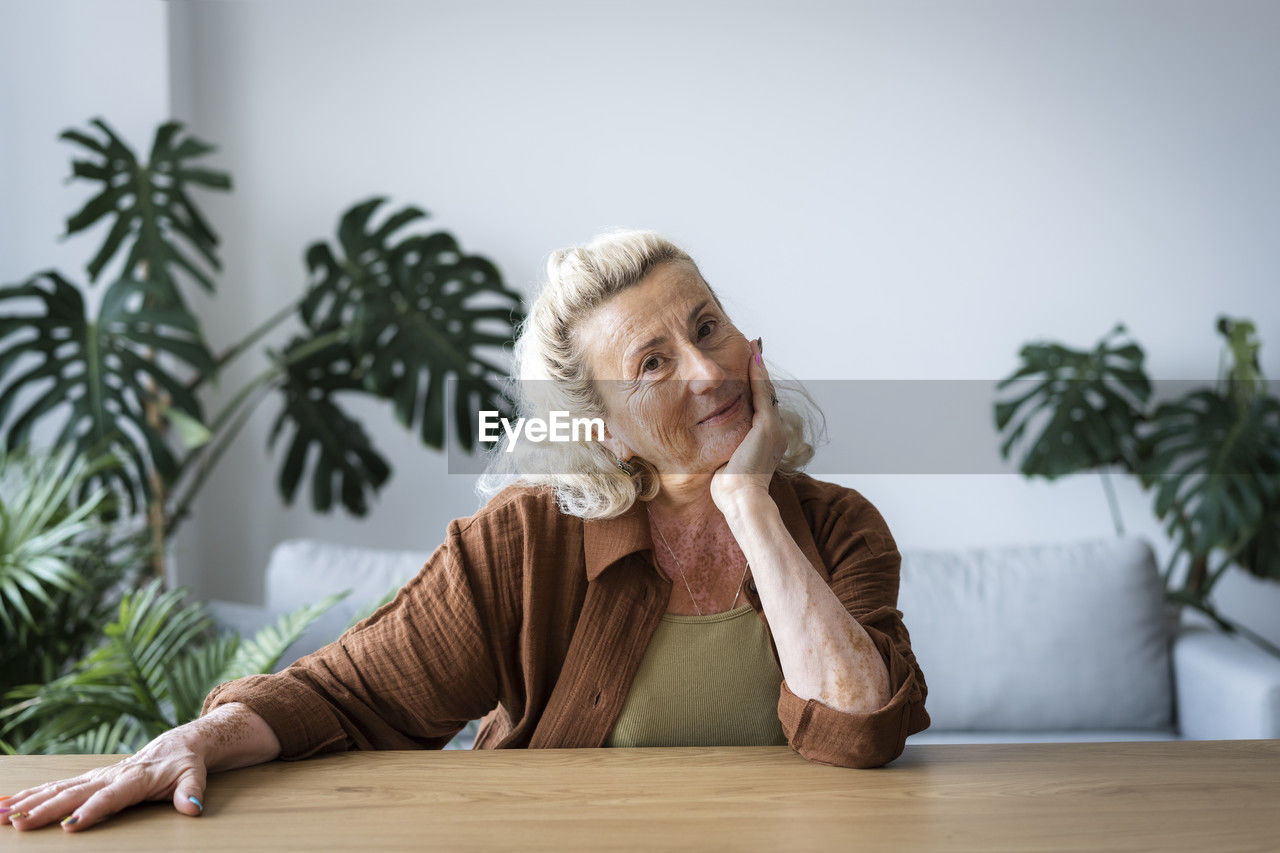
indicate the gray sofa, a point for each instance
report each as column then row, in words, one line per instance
column 1037, row 643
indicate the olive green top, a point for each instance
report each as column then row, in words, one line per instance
column 704, row 681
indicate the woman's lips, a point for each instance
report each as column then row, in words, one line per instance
column 724, row 415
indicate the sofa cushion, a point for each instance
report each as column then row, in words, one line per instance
column 1050, row 637
column 303, row 571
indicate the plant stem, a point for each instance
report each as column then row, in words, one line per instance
column 1227, row 561
column 262, row 378
column 248, row 341
column 1196, row 574
column 1111, row 500
column 155, row 510
column 1167, row 574
column 1230, row 626
column 207, row 460
column 214, row 449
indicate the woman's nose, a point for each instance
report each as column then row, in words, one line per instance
column 702, row 371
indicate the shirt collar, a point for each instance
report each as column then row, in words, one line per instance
column 608, row 540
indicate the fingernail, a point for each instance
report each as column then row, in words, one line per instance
column 761, row 340
column 199, row 804
column 18, row 814
column 3, row 810
column 70, row 819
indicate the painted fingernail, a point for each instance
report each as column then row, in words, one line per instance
column 3, row 810
column 199, row 804
column 18, row 814
column 70, row 819
column 761, row 340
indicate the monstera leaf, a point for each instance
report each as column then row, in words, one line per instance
column 154, row 215
column 1214, row 461
column 1090, row 402
column 98, row 369
column 1260, row 556
column 418, row 311
column 343, row 449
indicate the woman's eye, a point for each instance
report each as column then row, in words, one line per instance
column 711, row 323
column 651, row 360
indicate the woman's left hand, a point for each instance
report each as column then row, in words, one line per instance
column 752, row 464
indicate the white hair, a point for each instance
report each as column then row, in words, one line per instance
column 550, row 374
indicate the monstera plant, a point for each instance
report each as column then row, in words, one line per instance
column 1211, row 455
column 386, row 311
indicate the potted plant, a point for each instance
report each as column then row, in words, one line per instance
column 386, row 312
column 1210, row 455
column 102, row 668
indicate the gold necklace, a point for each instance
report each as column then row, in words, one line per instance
column 681, row 568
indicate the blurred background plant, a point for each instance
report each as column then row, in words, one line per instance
column 61, row 569
column 100, row 657
column 160, row 659
column 384, row 313
column 1211, row 455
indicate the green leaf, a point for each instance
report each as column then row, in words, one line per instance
column 101, row 374
column 153, row 220
column 341, row 447
column 192, row 433
column 1072, row 410
column 416, row 310
column 261, row 653
column 40, row 533
column 1213, row 461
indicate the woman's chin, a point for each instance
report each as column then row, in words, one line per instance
column 718, row 449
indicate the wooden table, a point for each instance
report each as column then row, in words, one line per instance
column 1150, row 795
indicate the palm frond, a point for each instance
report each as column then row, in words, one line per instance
column 124, row 736
column 125, row 676
column 154, row 631
column 369, row 610
column 39, row 534
column 199, row 671
column 262, row 652
column 158, row 661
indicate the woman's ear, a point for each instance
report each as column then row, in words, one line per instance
column 615, row 445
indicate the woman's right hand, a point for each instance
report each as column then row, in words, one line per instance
column 172, row 766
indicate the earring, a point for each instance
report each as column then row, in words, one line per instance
column 626, row 469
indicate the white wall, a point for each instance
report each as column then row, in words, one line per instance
column 880, row 189
column 62, row 63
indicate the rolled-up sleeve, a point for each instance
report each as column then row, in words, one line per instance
column 409, row 676
column 865, row 567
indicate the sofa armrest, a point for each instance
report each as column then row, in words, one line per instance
column 247, row 619
column 1228, row 688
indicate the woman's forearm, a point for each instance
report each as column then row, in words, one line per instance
column 824, row 653
column 231, row 736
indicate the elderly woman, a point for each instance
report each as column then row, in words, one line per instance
column 673, row 579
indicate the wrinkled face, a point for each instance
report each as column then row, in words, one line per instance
column 665, row 359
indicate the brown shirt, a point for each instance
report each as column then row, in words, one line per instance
column 537, row 621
